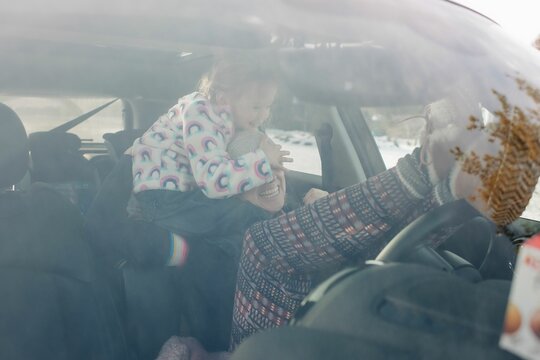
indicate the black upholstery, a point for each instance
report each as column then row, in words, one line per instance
column 134, row 252
column 159, row 300
column 117, row 238
column 56, row 160
column 13, row 148
column 53, row 305
column 120, row 141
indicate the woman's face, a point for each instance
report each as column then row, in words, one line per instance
column 270, row 196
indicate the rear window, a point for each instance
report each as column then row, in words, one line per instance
column 43, row 114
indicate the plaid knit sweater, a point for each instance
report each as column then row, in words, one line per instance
column 282, row 256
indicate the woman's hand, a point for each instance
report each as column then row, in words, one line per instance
column 447, row 130
column 313, row 195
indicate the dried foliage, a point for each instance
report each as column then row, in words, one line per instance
column 509, row 177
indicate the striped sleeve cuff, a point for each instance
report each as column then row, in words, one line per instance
column 443, row 192
column 179, row 250
column 413, row 176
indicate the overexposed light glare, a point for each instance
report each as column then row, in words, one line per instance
column 519, row 18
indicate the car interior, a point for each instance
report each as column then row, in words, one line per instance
column 67, row 295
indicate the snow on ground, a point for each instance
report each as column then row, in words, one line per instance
column 394, row 149
column 533, row 209
column 303, row 148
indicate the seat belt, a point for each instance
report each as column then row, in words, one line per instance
column 81, row 118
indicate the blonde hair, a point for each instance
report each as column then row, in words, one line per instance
column 231, row 73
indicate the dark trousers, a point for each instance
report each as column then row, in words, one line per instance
column 192, row 214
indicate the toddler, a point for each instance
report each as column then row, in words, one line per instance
column 183, row 178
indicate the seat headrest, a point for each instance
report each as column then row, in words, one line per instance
column 54, row 142
column 121, row 140
column 56, row 157
column 13, row 148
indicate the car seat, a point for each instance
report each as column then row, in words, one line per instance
column 57, row 161
column 121, row 140
column 53, row 305
column 116, row 144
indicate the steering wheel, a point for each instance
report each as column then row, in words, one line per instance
column 412, row 239
column 414, row 236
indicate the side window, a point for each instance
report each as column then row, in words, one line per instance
column 293, row 125
column 533, row 208
column 396, row 130
column 43, row 114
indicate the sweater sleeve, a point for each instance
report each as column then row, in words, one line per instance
column 216, row 174
column 280, row 255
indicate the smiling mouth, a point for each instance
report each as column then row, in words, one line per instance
column 271, row 191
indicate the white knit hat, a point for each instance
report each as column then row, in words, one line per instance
column 244, row 142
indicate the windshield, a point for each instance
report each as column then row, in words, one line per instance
column 358, row 176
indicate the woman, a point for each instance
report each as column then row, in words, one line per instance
column 281, row 257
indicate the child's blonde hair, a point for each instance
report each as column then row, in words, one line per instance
column 232, row 72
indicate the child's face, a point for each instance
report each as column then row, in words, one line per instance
column 251, row 106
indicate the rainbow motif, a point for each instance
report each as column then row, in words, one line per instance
column 145, row 155
column 245, row 185
column 194, row 128
column 203, row 111
column 219, row 134
column 239, row 165
column 201, row 163
column 154, row 173
column 137, row 175
column 171, row 154
column 169, row 182
column 212, row 169
column 222, row 183
column 158, row 136
column 262, row 169
column 208, row 143
column 191, row 151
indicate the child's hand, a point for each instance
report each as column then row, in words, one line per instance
column 313, row 195
column 273, row 152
